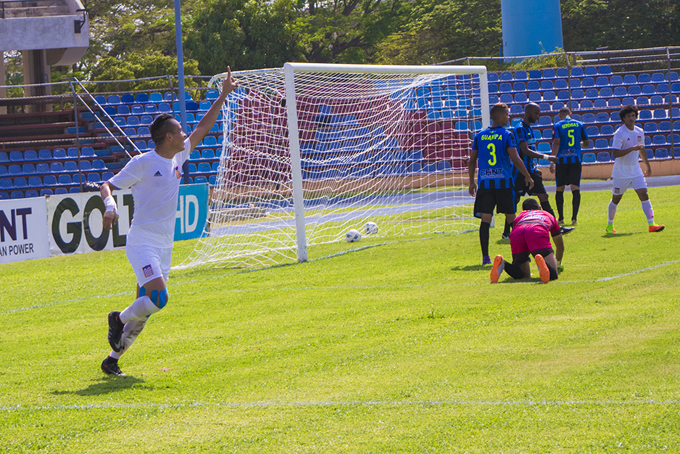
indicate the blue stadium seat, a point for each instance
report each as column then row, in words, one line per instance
column 599, row 104
column 534, row 85
column 644, row 79
column 521, row 97
column 620, row 91
column 70, row 166
column 561, row 84
column 72, row 153
column 42, row 168
column 106, row 176
column 45, row 192
column 588, row 118
column 602, row 117
column 563, row 95
column 156, row 97
column 661, row 153
column 16, row 156
column 142, row 98
column 521, row 75
column 20, row 183
column 648, row 90
column 535, row 97
column 14, row 170
column 587, row 104
column 606, row 92
column 50, row 180
column 416, row 155
column 659, row 114
column 113, row 99
column 578, row 94
column 549, row 73
column 3, row 171
column 59, row 191
column 200, row 179
column 28, row 169
column 4, row 157
column 64, row 180
column 634, row 90
column 94, row 177
column 588, row 82
column 659, row 140
column 662, row 89
column 650, row 128
column 656, row 99
column 607, row 130
column 614, row 103
column 506, row 75
column 123, row 110
column 505, row 87
column 164, row 107
column 17, row 195
column 629, row 79
column 56, row 167
column 603, row 156
column 601, row 143
column 664, row 126
column 645, row 115
column 592, row 131
column 519, row 86
column 85, row 166
column 127, row 98
column 590, row 71
column 576, row 72
column 137, row 109
column 31, row 193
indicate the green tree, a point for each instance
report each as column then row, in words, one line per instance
column 442, row 30
column 245, row 34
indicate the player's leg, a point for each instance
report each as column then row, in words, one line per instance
column 506, row 200
column 538, row 242
column 520, row 190
column 485, row 202
column 519, row 268
column 619, row 187
column 560, row 175
column 575, row 182
column 640, row 186
column 547, row 265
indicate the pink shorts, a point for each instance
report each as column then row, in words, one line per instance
column 529, row 238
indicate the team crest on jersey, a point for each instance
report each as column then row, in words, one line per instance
column 148, row 271
column 158, row 174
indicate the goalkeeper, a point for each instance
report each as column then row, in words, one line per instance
column 531, row 235
column 154, row 178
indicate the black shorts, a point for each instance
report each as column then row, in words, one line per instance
column 521, row 185
column 566, row 174
column 488, row 199
column 518, row 259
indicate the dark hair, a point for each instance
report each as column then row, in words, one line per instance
column 160, row 127
column 497, row 108
column 530, row 204
column 625, row 110
column 565, row 109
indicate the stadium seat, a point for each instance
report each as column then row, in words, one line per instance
column 20, row 183
column 588, row 104
column 137, row 109
column 599, row 104
column 606, row 92
column 592, row 131
column 648, row 90
column 72, row 153
column 35, row 182
column 50, row 180
column 662, row 89
column 113, row 99
column 606, row 130
column 164, row 107
column 94, row 177
column 200, row 179
column 521, row 97
column 650, row 128
column 614, row 103
column 70, row 166
column 127, row 98
column 645, row 115
column 17, row 195
column 549, row 96
column 588, row 118
column 42, row 168
column 534, row 85
column 60, row 191
column 602, row 117
column 576, row 72
column 46, row 192
column 56, row 167
column 659, row 140
column 505, row 87
column 664, row 126
column 634, row 90
column 516, row 109
column 603, row 156
column 123, row 110
column 85, row 166
column 64, row 180
column 14, row 170
column 644, row 79
column 16, row 156
column 563, row 95
column 142, row 98
column 588, row 82
column 661, row 153
column 519, row 86
column 27, row 169
column 601, row 143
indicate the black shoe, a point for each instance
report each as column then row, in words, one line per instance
column 110, row 367
column 505, row 236
column 565, row 230
column 115, row 330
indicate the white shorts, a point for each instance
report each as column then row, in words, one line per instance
column 620, row 185
column 149, row 262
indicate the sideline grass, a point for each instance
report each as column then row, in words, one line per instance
column 402, row 347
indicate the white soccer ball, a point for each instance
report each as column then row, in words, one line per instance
column 352, row 236
column 371, row 228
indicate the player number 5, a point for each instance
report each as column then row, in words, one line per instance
column 492, row 150
column 570, row 133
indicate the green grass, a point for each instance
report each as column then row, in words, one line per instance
column 401, row 347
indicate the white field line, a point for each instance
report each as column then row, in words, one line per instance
column 370, row 403
column 338, row 287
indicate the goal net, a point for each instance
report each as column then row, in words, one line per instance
column 311, row 151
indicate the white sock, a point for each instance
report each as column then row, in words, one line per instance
column 139, row 310
column 130, row 333
column 611, row 211
column 649, row 211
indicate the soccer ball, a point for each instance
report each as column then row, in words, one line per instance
column 371, row 228
column 352, row 236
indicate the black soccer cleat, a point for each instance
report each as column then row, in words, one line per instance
column 110, row 367
column 565, row 230
column 115, row 331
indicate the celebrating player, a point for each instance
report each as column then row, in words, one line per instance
column 568, row 136
column 531, row 235
column 154, row 178
column 628, row 145
column 495, row 148
column 526, row 141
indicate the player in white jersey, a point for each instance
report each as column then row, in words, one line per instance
column 629, row 145
column 154, row 178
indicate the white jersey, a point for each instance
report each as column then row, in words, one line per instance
column 155, row 188
column 627, row 166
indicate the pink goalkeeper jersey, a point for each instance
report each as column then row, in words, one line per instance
column 539, row 218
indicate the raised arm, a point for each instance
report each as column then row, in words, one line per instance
column 203, row 127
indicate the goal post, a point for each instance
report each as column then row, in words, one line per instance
column 309, row 151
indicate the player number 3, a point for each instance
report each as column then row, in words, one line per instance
column 492, row 150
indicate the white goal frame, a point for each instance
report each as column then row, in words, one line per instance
column 291, row 106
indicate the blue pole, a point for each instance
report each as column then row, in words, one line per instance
column 180, row 76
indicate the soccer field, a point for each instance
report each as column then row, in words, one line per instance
column 400, row 347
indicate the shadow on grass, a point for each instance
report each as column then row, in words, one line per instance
column 614, row 235
column 106, row 385
column 471, row 268
column 526, row 280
